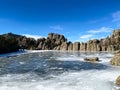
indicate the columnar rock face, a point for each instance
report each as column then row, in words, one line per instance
column 59, row 42
column 83, row 46
column 53, row 42
column 111, row 43
column 64, row 46
column 70, row 46
column 76, row 46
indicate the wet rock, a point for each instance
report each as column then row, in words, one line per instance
column 92, row 59
column 118, row 81
column 116, row 59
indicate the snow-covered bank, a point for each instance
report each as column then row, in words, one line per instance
column 12, row 54
column 22, row 52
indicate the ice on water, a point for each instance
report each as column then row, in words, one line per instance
column 54, row 70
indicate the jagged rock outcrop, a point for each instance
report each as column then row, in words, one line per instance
column 9, row 43
column 59, row 42
column 53, row 42
column 116, row 59
column 111, row 43
column 93, row 45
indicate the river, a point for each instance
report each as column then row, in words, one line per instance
column 57, row 70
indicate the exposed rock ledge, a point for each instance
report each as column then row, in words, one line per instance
column 116, row 59
column 59, row 42
column 92, row 59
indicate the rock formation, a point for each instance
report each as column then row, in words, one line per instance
column 59, row 42
column 116, row 59
column 118, row 81
column 70, row 46
column 111, row 43
column 76, row 46
column 92, row 59
column 8, row 43
column 52, row 42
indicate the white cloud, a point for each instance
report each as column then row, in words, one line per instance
column 32, row 36
column 95, row 34
column 116, row 16
column 56, row 27
column 86, row 36
column 100, row 30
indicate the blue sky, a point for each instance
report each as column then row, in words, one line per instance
column 78, row 20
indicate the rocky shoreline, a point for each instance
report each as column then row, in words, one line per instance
column 12, row 42
column 58, row 42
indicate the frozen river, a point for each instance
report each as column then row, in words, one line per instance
column 55, row 70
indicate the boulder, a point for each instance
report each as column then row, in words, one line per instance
column 116, row 59
column 117, row 82
column 92, row 59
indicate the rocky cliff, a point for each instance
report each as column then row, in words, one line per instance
column 111, row 43
column 59, row 42
column 52, row 42
column 8, row 43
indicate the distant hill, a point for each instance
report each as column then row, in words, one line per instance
column 11, row 35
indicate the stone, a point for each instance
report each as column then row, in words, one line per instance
column 117, row 82
column 59, row 42
column 116, row 59
column 92, row 59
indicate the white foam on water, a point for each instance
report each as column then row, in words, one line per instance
column 70, row 80
column 83, row 80
column 13, row 54
column 103, row 57
column 35, row 51
column 18, row 53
